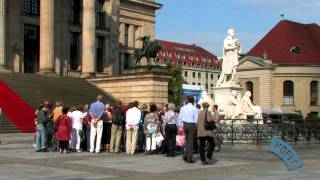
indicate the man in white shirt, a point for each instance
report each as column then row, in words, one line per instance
column 189, row 116
column 133, row 117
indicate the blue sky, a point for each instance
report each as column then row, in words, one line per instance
column 205, row 22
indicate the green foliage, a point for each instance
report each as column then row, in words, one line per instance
column 313, row 117
column 175, row 84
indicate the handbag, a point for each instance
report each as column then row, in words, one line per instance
column 209, row 125
column 159, row 138
column 181, row 139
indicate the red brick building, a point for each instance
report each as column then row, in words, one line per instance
column 200, row 67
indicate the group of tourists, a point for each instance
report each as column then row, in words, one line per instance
column 114, row 128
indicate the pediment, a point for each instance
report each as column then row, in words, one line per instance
column 248, row 64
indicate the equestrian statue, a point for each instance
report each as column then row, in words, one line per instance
column 149, row 50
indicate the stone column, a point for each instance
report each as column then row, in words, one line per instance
column 88, row 39
column 2, row 33
column 131, row 36
column 137, row 35
column 121, row 35
column 46, row 37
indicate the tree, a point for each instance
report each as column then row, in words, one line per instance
column 175, row 84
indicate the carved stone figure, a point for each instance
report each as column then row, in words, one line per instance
column 206, row 98
column 149, row 50
column 234, row 109
column 231, row 50
column 249, row 108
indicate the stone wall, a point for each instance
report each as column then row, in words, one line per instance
column 144, row 85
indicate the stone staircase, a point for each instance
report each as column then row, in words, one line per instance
column 32, row 88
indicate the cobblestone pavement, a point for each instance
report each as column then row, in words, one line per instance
column 18, row 160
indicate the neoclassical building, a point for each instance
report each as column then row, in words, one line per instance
column 283, row 69
column 72, row 37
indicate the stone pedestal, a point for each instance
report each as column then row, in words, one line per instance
column 222, row 94
column 146, row 84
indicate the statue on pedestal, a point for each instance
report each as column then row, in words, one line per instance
column 149, row 50
column 249, row 108
column 234, row 109
column 231, row 50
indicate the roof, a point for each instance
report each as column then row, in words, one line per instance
column 263, row 62
column 290, row 43
column 187, row 54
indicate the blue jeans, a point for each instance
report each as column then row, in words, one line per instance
column 41, row 137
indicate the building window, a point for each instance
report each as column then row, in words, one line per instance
column 158, row 61
column 199, row 75
column 194, row 74
column 74, row 16
column 211, row 96
column 169, row 54
column 193, row 83
column 191, row 57
column 32, row 7
column 74, row 50
column 288, row 93
column 207, row 87
column 126, row 61
column 211, row 85
column 211, row 76
column 249, row 87
column 126, row 35
column 135, row 36
column 100, row 17
column 199, row 84
column 186, row 74
column 314, row 93
column 100, row 49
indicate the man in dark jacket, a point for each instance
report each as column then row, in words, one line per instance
column 42, row 118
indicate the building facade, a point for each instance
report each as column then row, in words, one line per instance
column 283, row 70
column 200, row 67
column 72, row 37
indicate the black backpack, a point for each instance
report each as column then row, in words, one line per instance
column 117, row 116
column 208, row 125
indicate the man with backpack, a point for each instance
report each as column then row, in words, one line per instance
column 116, row 129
